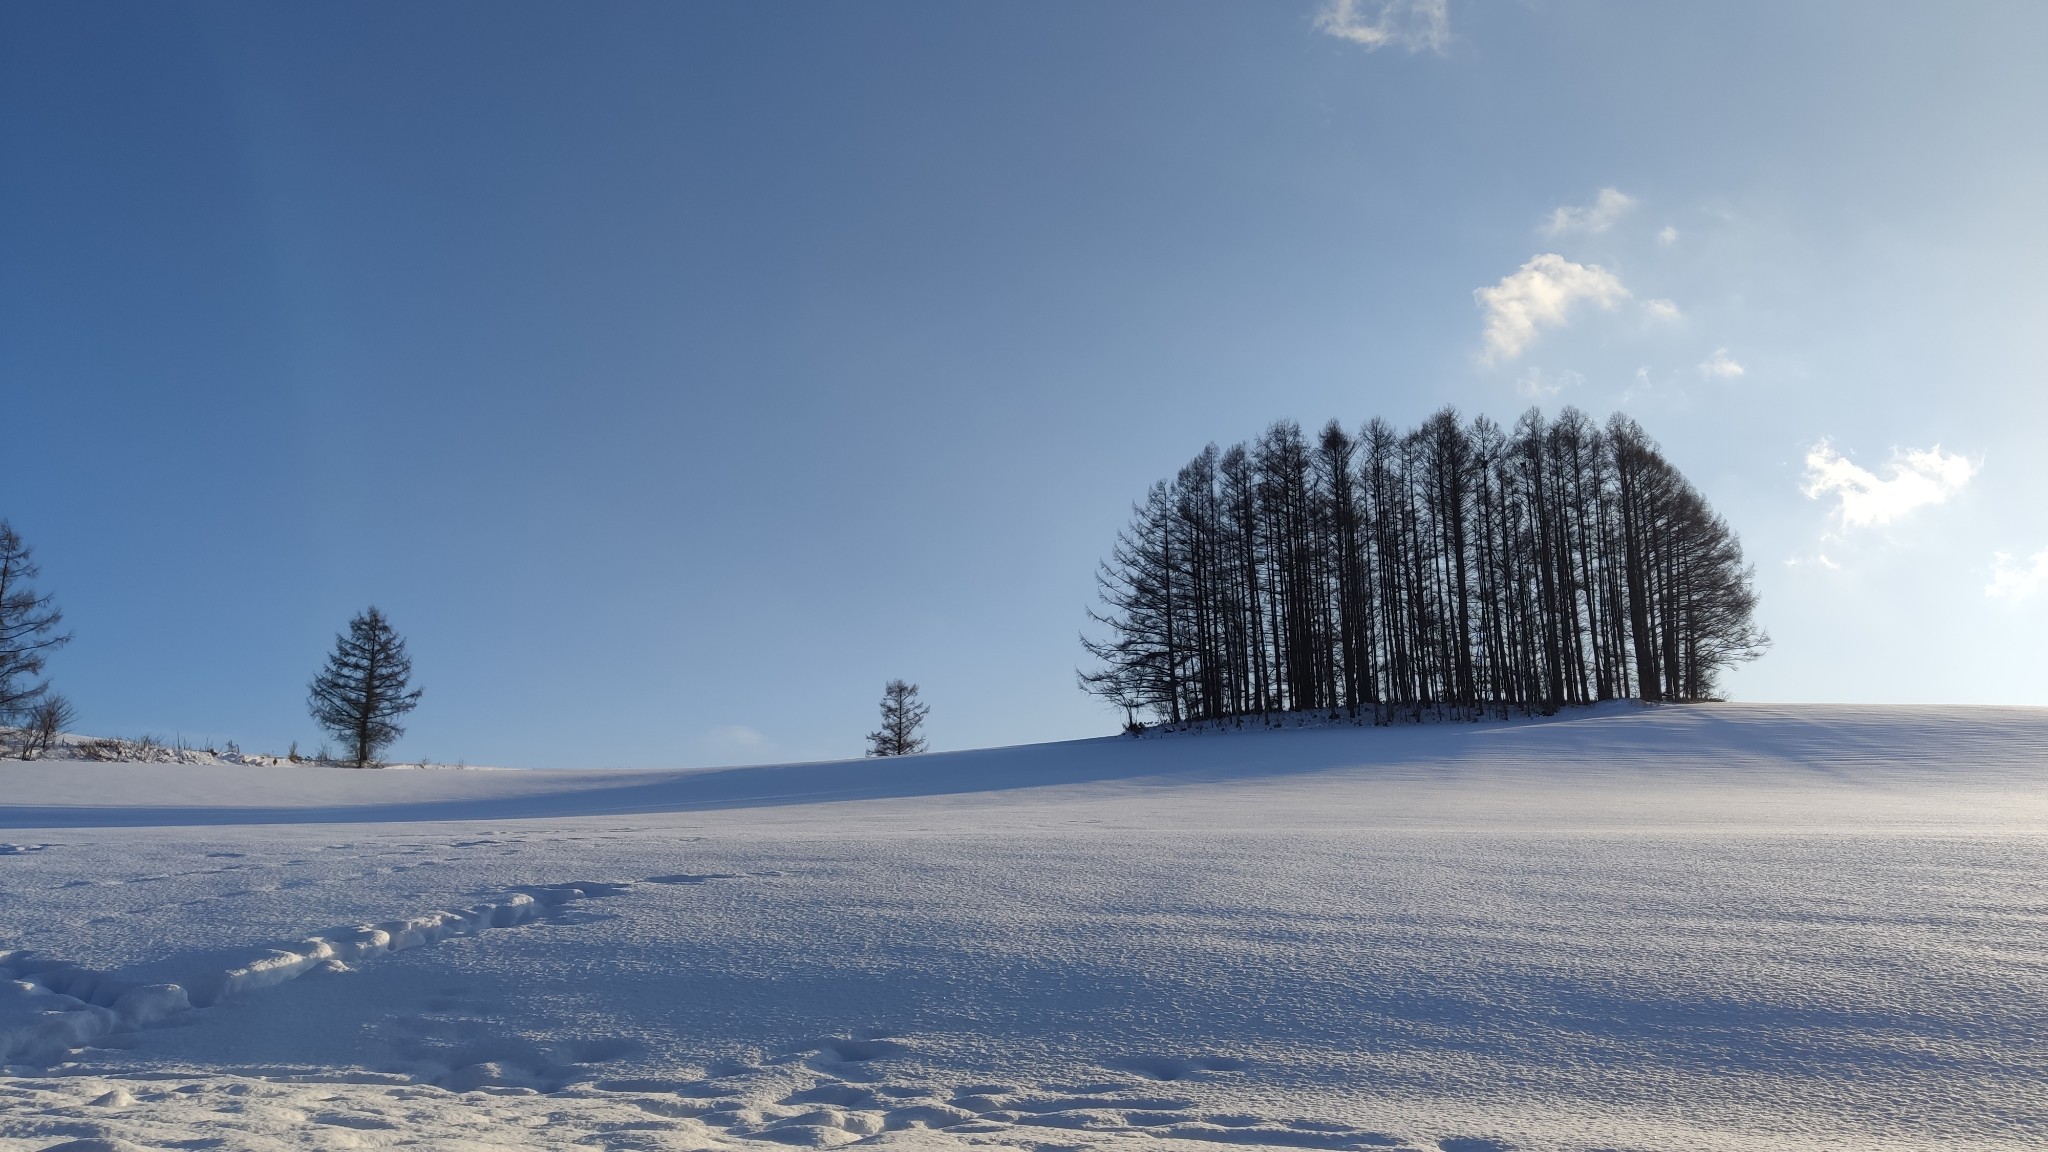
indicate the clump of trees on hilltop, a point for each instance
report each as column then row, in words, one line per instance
column 1458, row 570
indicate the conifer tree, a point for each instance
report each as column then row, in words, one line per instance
column 362, row 692
column 902, row 716
column 28, row 629
column 1459, row 570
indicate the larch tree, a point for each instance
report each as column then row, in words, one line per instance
column 902, row 717
column 365, row 688
column 28, row 630
column 1460, row 570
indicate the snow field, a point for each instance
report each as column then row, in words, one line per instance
column 1743, row 929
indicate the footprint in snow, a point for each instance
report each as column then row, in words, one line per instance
column 1180, row 1068
column 79, row 1023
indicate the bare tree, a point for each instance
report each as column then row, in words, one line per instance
column 28, row 629
column 1459, row 570
column 362, row 692
column 1137, row 586
column 902, row 716
column 46, row 721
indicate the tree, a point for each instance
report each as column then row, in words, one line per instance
column 28, row 629
column 1137, row 585
column 902, row 716
column 45, row 721
column 362, row 692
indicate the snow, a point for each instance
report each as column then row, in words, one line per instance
column 1715, row 926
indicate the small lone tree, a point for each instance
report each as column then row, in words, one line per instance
column 362, row 692
column 28, row 629
column 47, row 720
column 902, row 716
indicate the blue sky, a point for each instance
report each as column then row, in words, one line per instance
column 674, row 375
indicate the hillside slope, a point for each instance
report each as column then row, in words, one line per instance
column 1619, row 745
column 1730, row 926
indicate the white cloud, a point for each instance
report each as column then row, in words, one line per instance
column 1660, row 309
column 1640, row 388
column 2016, row 582
column 736, row 736
column 1607, row 207
column 1721, row 366
column 1540, row 294
column 1412, row 24
column 1918, row 478
column 1667, row 236
column 1537, row 384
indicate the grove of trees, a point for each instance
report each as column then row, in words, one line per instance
column 365, row 688
column 1458, row 570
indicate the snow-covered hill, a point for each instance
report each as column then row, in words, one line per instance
column 1726, row 926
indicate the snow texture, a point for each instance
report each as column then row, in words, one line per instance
column 1714, row 927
